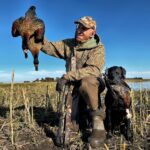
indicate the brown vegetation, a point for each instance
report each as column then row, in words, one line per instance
column 34, row 119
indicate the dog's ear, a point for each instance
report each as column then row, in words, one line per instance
column 123, row 72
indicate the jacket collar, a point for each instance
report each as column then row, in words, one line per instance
column 89, row 44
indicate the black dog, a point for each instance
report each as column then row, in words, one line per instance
column 117, row 102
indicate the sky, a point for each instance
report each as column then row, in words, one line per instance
column 123, row 26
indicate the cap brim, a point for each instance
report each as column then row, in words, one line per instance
column 81, row 22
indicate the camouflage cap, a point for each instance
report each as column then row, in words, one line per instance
column 87, row 21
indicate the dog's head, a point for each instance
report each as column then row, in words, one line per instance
column 116, row 72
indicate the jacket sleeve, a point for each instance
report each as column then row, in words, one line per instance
column 56, row 49
column 93, row 67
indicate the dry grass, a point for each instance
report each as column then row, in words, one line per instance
column 32, row 107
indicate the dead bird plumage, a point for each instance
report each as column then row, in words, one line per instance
column 32, row 30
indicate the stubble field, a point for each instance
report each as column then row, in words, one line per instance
column 29, row 119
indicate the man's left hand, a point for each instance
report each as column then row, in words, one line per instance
column 60, row 83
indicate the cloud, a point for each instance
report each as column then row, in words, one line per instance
column 5, row 76
column 46, row 73
column 143, row 74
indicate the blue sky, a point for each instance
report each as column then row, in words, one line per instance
column 123, row 25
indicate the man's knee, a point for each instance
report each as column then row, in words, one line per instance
column 83, row 84
column 87, row 83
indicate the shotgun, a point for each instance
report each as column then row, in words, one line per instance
column 63, row 132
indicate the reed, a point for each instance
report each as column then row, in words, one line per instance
column 133, row 112
column 106, row 146
column 141, row 110
column 11, row 108
column 121, row 141
column 47, row 104
column 124, row 146
column 32, row 114
column 27, row 108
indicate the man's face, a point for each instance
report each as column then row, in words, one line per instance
column 83, row 34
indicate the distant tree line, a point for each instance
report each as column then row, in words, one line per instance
column 135, row 78
column 47, row 79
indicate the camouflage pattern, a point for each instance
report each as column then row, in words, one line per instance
column 89, row 56
column 65, row 131
column 82, row 61
column 87, row 21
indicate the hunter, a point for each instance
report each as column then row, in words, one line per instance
column 88, row 52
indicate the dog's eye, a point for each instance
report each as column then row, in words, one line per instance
column 118, row 72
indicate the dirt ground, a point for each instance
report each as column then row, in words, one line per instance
column 38, row 131
column 41, row 134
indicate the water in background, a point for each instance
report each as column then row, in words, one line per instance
column 138, row 85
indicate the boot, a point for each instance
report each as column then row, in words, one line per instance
column 98, row 135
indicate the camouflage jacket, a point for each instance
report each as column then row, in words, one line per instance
column 89, row 56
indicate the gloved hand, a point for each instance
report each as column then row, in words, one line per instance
column 60, row 83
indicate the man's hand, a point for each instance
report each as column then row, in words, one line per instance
column 60, row 83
